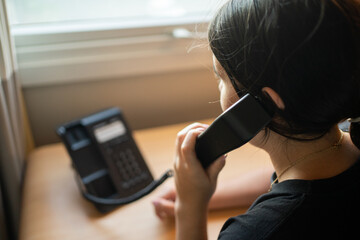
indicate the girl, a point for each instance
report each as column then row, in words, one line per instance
column 302, row 56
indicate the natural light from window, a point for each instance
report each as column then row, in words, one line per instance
column 24, row 12
column 61, row 41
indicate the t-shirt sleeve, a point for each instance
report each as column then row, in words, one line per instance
column 263, row 218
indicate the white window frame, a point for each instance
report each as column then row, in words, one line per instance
column 56, row 54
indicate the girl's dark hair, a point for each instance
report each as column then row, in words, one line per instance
column 306, row 50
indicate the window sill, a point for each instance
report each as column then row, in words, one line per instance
column 48, row 56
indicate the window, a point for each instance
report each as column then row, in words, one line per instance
column 73, row 40
column 45, row 11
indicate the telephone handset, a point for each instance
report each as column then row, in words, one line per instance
column 109, row 166
column 233, row 128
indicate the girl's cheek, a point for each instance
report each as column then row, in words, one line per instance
column 223, row 100
column 220, row 85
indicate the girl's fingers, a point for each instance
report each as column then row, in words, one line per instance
column 164, row 208
column 186, row 155
column 193, row 126
column 188, row 145
column 215, row 168
column 184, row 148
column 168, row 193
column 181, row 135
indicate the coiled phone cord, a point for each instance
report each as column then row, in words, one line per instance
column 121, row 201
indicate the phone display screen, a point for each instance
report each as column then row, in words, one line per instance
column 110, row 131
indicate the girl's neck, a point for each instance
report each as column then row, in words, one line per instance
column 309, row 160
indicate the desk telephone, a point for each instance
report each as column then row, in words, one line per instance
column 110, row 168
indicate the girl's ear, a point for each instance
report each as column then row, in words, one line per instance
column 275, row 97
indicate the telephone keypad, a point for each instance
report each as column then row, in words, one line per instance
column 129, row 169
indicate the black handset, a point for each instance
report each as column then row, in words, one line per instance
column 233, row 128
column 109, row 166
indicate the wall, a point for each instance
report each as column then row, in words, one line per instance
column 147, row 101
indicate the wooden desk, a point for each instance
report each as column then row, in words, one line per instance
column 53, row 208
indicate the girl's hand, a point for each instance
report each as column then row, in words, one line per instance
column 164, row 204
column 194, row 185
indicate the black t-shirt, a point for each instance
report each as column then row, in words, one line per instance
column 300, row 209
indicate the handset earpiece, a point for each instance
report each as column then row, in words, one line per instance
column 233, row 128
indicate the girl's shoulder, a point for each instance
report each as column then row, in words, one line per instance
column 301, row 209
column 264, row 217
